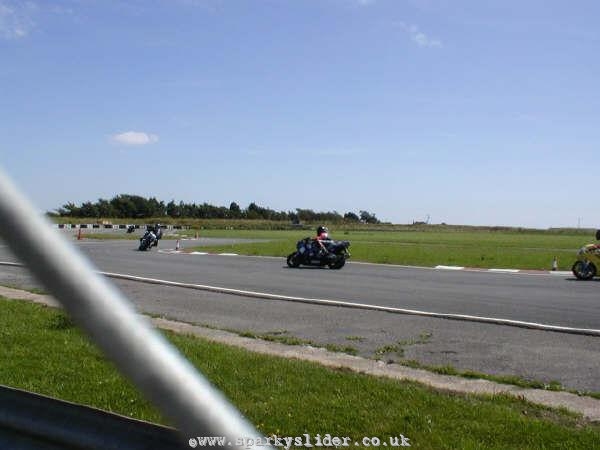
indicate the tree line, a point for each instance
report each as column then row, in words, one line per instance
column 136, row 207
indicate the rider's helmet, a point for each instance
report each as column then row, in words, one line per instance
column 322, row 231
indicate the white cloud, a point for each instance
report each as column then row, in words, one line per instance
column 420, row 38
column 16, row 19
column 135, row 138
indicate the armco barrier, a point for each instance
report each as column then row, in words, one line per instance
column 121, row 226
column 32, row 421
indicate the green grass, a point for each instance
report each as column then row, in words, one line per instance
column 356, row 338
column 503, row 379
column 41, row 350
column 283, row 338
column 421, row 245
column 527, row 249
column 398, row 347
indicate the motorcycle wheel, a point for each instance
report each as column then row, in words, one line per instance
column 584, row 271
column 293, row 260
column 338, row 264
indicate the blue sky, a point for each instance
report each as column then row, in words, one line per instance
column 469, row 112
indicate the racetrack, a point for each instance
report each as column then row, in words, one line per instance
column 493, row 349
column 547, row 299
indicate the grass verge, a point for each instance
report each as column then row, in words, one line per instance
column 485, row 247
column 284, row 338
column 481, row 248
column 397, row 350
column 42, row 351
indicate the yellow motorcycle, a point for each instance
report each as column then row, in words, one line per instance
column 588, row 261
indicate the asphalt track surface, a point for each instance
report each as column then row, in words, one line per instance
column 572, row 360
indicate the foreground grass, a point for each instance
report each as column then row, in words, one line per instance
column 40, row 350
column 481, row 248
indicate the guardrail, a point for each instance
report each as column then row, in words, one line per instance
column 33, row 421
column 121, row 226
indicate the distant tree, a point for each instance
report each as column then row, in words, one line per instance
column 88, row 209
column 105, row 209
column 367, row 217
column 124, row 206
column 235, row 210
column 306, row 215
column 351, row 217
column 152, row 207
column 330, row 216
column 69, row 210
column 173, row 209
column 135, row 206
column 252, row 211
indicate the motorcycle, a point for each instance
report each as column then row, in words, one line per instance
column 588, row 261
column 147, row 241
column 309, row 253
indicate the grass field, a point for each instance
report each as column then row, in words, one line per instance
column 41, row 350
column 420, row 245
column 485, row 249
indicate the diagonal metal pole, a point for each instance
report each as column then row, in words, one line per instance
column 142, row 354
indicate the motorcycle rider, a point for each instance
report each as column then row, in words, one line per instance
column 322, row 235
column 155, row 231
column 149, row 233
column 319, row 250
column 158, row 233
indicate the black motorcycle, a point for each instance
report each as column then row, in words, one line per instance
column 147, row 241
column 310, row 253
